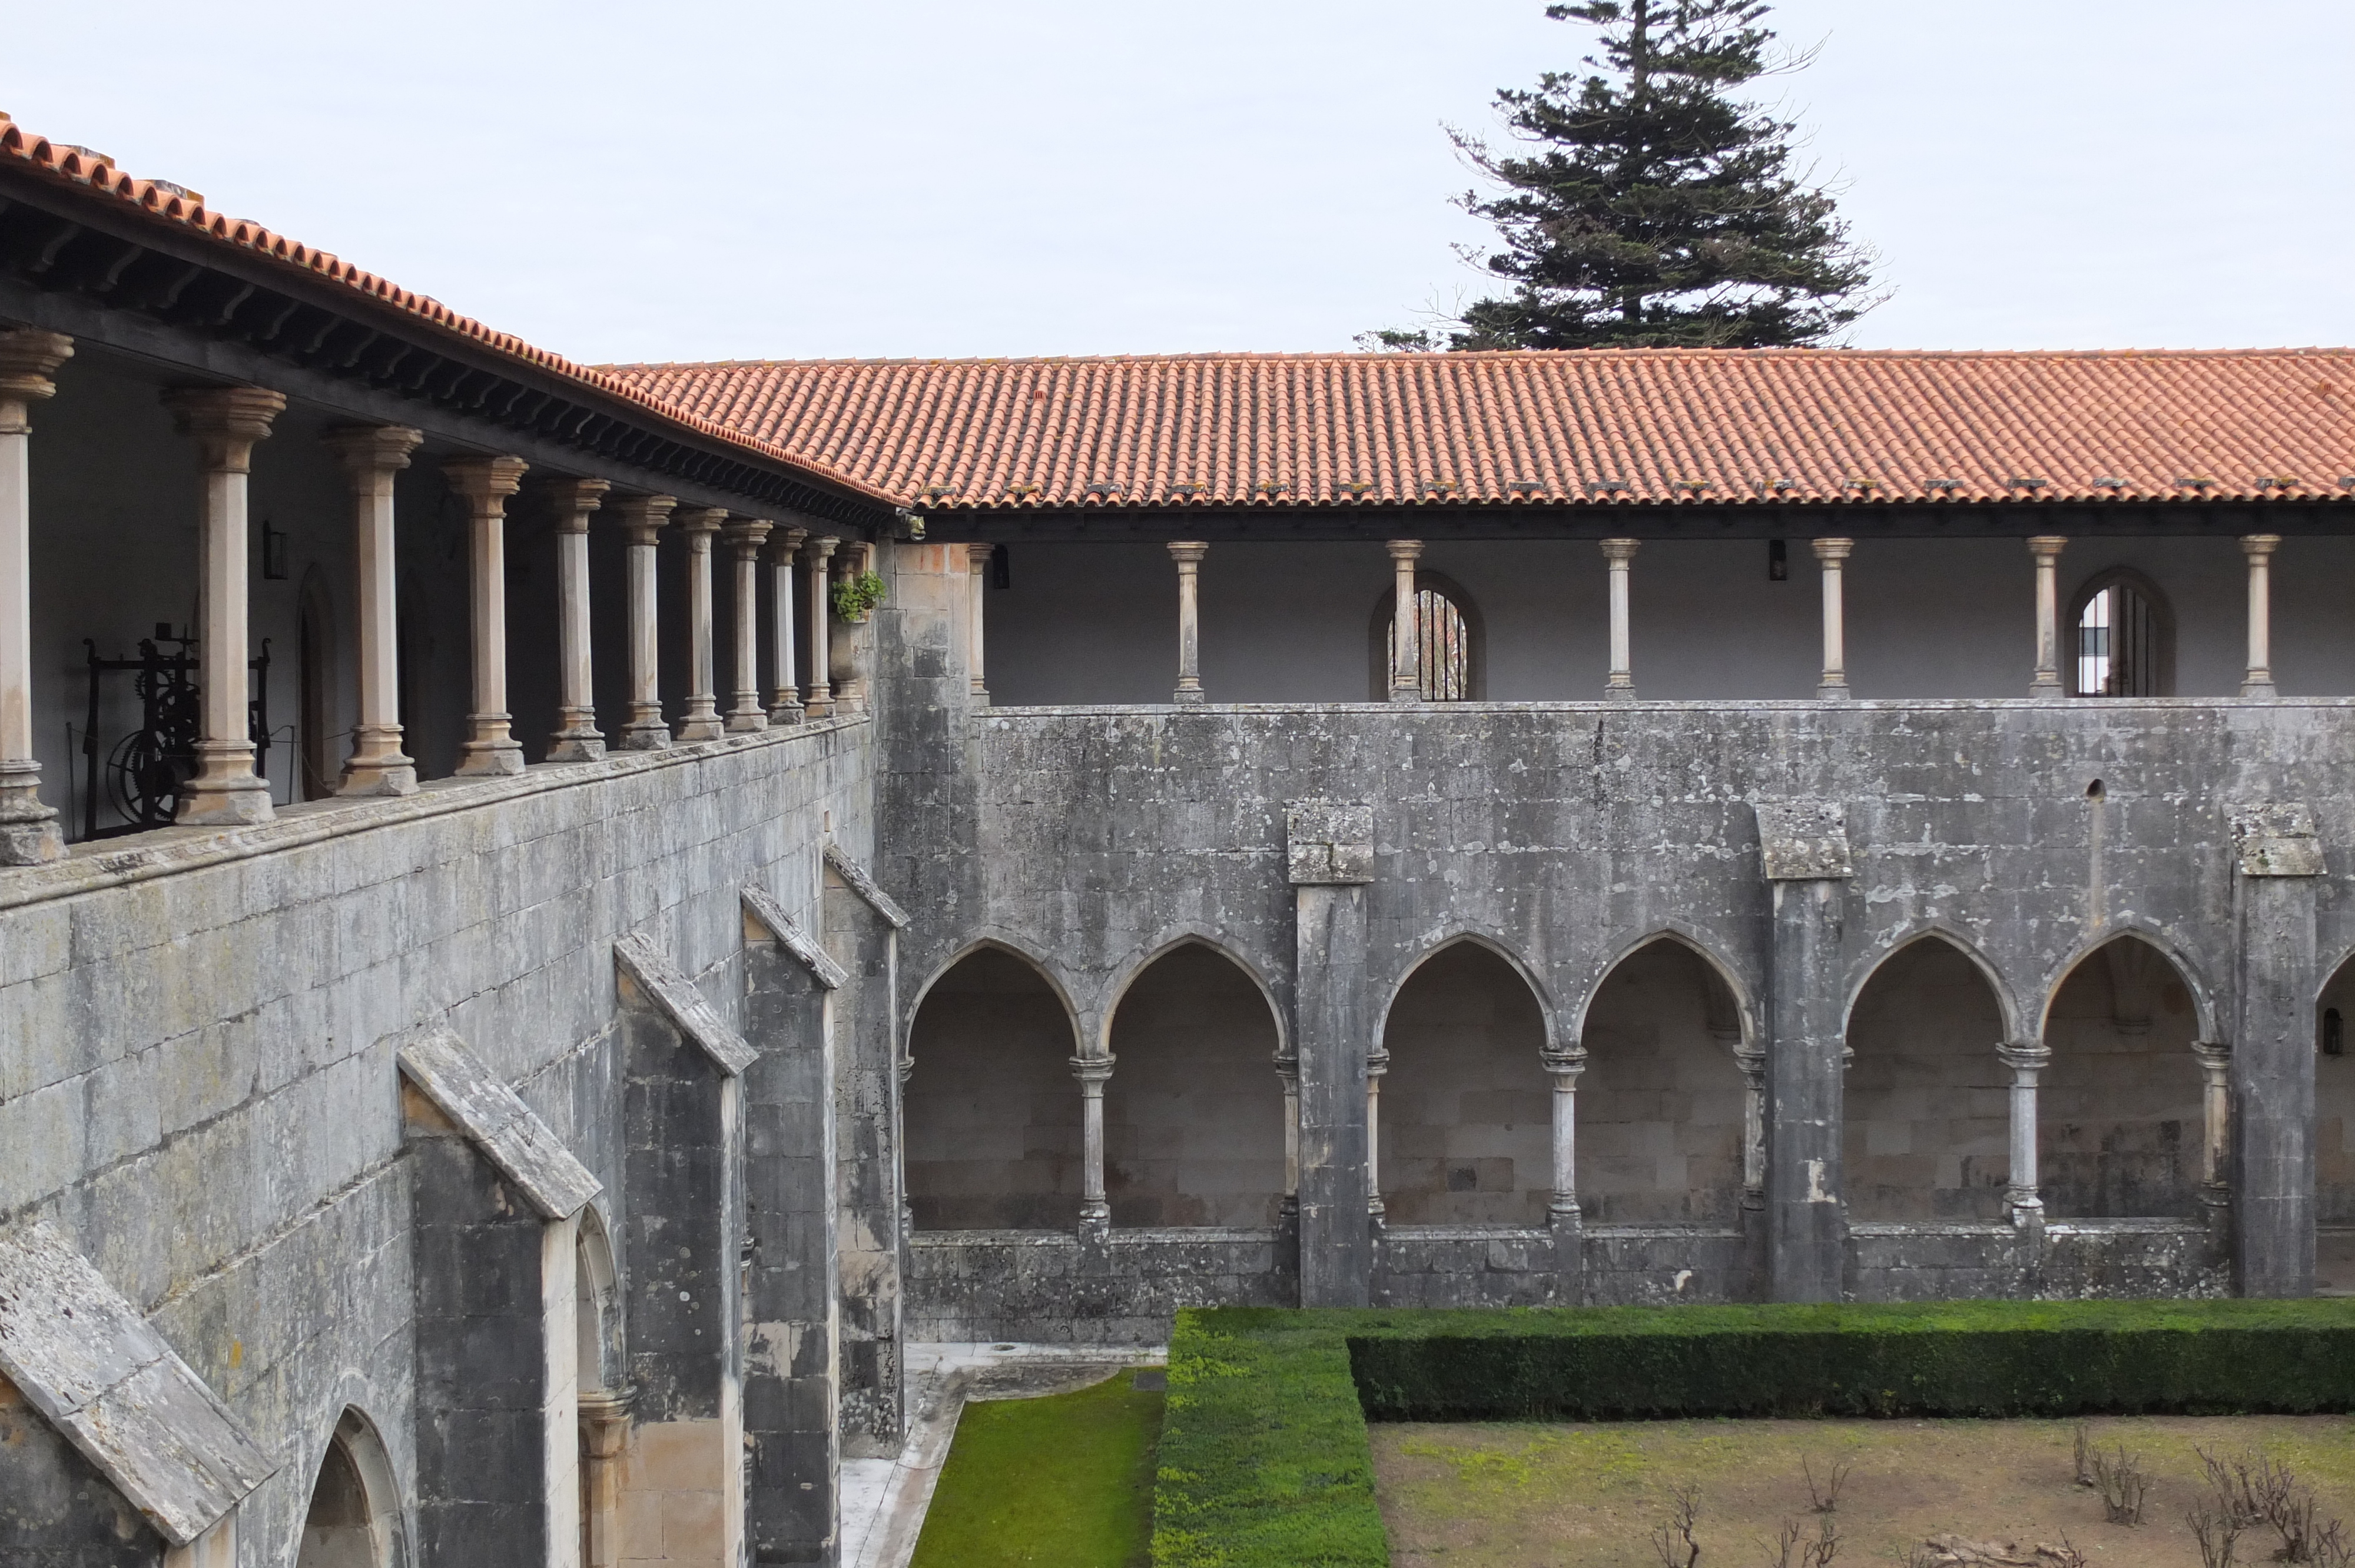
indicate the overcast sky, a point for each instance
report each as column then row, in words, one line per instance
column 702, row 179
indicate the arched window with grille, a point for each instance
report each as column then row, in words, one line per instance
column 1447, row 642
column 2124, row 638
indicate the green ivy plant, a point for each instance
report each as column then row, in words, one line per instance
column 854, row 597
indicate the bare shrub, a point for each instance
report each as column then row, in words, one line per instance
column 2218, row 1530
column 1826, row 1498
column 2065, row 1555
column 2248, row 1485
column 2122, row 1486
column 1792, row 1549
column 1672, row 1539
column 2251, row 1489
column 2084, row 1455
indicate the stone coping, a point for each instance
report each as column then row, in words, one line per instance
column 1118, row 1235
column 101, row 863
column 1679, row 705
column 2152, row 1226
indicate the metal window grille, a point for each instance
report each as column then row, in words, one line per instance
column 2117, row 645
column 1443, row 648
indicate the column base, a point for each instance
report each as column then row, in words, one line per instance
column 2258, row 689
column 1406, row 693
column 228, row 802
column 740, row 723
column 978, row 694
column 1626, row 694
column 2046, row 688
column 31, row 841
column 564, row 748
column 373, row 776
column 784, row 714
column 818, row 707
column 698, row 727
column 1831, row 693
column 1185, row 697
column 489, row 759
column 645, row 737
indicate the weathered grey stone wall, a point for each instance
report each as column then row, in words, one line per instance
column 1466, row 1111
column 1928, row 1101
column 1660, row 1102
column 200, row 1085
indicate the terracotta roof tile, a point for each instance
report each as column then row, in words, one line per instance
column 161, row 199
column 1830, row 427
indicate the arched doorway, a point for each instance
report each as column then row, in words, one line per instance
column 2124, row 638
column 1661, row 1102
column 1927, row 1129
column 1194, row 1110
column 602, row 1398
column 2120, row 1116
column 993, row 1114
column 354, row 1517
column 1465, row 1106
column 2334, row 1135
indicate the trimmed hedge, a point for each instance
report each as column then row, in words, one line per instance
column 1264, row 1463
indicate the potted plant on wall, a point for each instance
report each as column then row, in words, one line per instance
column 855, row 596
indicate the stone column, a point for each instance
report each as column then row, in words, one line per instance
column 1752, row 1064
column 1803, row 849
column 702, row 719
column 2215, row 1058
column 1330, row 858
column 2046, row 549
column 854, row 560
column 642, row 518
column 819, row 701
column 1621, row 555
column 2026, row 1058
column 785, row 697
column 1287, row 1072
column 576, row 737
column 748, row 715
column 485, row 483
column 977, row 558
column 372, row 455
column 604, row 1432
column 1092, row 1071
column 1189, row 555
column 2273, row 1051
column 2260, row 549
column 226, row 421
column 1563, row 1216
column 1406, row 645
column 1833, row 553
column 1378, row 1066
column 29, row 834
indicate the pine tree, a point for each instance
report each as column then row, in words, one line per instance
column 1654, row 208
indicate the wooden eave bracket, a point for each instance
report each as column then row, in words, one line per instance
column 771, row 916
column 510, row 1135
column 102, row 1375
column 674, row 996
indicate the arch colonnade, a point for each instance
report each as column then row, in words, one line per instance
column 228, row 423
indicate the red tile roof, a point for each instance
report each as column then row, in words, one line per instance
column 1825, row 426
column 168, row 202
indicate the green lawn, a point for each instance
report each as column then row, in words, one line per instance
column 1066, row 1480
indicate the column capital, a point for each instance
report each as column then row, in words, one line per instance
column 1188, row 552
column 786, row 544
column 819, row 549
column 641, row 516
column 2256, row 546
column 1617, row 551
column 2024, row 1055
column 366, row 450
column 1566, row 1064
column 699, row 523
column 746, row 534
column 486, row 482
column 1092, row 1071
column 1404, row 549
column 2214, row 1055
column 977, row 556
column 227, row 419
column 1377, row 1061
column 28, row 358
column 1830, row 550
column 2047, row 548
column 571, row 500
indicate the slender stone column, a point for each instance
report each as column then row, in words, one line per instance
column 1752, row 1063
column 1092, row 1071
column 1563, row 1067
column 819, row 691
column 1406, row 643
column 2215, row 1058
column 1378, row 1066
column 1330, row 855
column 641, row 518
column 1189, row 555
column 29, row 834
column 977, row 558
column 2046, row 549
column 604, row 1431
column 701, row 720
column 1621, row 555
column 372, row 455
column 785, row 697
column 1803, row 848
column 853, row 561
column 1833, row 554
column 748, row 715
column 1287, row 1072
column 485, row 483
column 2026, row 1058
column 577, row 736
column 2260, row 549
column 226, row 421
column 2273, row 1052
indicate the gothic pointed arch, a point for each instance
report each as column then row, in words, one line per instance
column 2121, row 1124
column 1926, row 1124
column 353, row 1519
